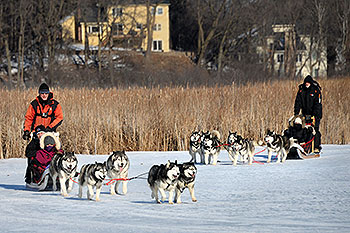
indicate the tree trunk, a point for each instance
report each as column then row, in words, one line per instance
column 9, row 65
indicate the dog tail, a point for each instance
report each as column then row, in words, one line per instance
column 216, row 134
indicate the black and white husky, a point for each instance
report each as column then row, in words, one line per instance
column 117, row 168
column 63, row 166
column 231, row 139
column 277, row 143
column 163, row 178
column 92, row 175
column 210, row 146
column 239, row 146
column 195, row 146
column 188, row 172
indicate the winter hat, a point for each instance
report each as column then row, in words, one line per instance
column 308, row 79
column 298, row 121
column 49, row 140
column 44, row 88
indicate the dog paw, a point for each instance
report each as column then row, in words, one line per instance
column 171, row 202
column 194, row 200
column 98, row 199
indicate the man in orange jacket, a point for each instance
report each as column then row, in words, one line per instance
column 45, row 111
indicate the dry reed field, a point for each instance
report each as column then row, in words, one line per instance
column 98, row 121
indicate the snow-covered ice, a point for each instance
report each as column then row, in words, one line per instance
column 297, row 196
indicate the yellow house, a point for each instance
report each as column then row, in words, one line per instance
column 123, row 26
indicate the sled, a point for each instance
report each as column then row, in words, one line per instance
column 42, row 184
column 305, row 150
column 45, row 183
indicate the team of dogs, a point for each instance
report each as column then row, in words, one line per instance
column 208, row 146
column 171, row 177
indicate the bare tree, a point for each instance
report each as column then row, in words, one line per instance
column 214, row 11
column 151, row 8
column 343, row 18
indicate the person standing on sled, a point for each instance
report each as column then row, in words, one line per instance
column 309, row 101
column 43, row 114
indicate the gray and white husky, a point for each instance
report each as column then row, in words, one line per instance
column 163, row 178
column 117, row 168
column 63, row 166
column 210, row 147
column 92, row 175
column 188, row 172
column 195, row 146
column 239, row 146
column 277, row 143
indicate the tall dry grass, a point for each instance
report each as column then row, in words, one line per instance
column 97, row 121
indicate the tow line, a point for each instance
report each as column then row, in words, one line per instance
column 111, row 181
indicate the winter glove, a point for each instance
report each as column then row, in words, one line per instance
column 26, row 135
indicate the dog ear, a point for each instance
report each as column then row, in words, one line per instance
column 168, row 164
column 175, row 162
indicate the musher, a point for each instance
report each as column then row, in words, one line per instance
column 44, row 114
column 309, row 101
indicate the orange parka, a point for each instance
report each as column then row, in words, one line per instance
column 49, row 115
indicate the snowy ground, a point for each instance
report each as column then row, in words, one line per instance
column 298, row 196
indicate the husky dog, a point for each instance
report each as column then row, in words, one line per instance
column 232, row 137
column 188, row 172
column 117, row 168
column 63, row 165
column 277, row 143
column 92, row 175
column 163, row 178
column 242, row 147
column 210, row 146
column 195, row 145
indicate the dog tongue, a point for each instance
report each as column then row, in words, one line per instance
column 120, row 169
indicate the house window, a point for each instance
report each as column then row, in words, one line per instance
column 157, row 45
column 93, row 29
column 159, row 10
column 157, row 27
column 280, row 58
column 117, row 12
column 118, row 29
